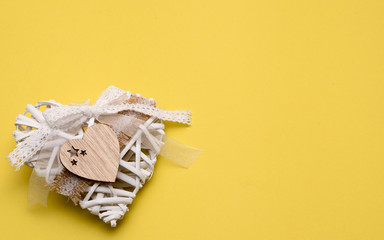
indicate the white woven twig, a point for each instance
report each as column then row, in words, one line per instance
column 46, row 163
column 110, row 200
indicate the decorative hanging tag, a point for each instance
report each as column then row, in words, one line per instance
column 95, row 157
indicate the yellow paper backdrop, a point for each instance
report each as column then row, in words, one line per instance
column 287, row 103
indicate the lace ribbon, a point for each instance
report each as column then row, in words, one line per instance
column 112, row 100
column 61, row 119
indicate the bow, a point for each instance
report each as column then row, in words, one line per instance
column 66, row 120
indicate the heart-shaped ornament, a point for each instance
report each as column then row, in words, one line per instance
column 94, row 157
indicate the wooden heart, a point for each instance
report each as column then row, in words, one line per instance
column 94, row 157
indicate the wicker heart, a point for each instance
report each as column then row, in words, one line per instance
column 94, row 157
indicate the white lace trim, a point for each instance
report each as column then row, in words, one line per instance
column 32, row 133
column 25, row 150
column 66, row 117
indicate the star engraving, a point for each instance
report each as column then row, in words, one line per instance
column 73, row 151
column 74, row 162
column 83, row 152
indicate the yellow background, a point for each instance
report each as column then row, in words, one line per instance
column 287, row 102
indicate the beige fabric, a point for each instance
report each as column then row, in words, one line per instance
column 70, row 185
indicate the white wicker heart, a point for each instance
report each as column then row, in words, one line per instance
column 38, row 144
